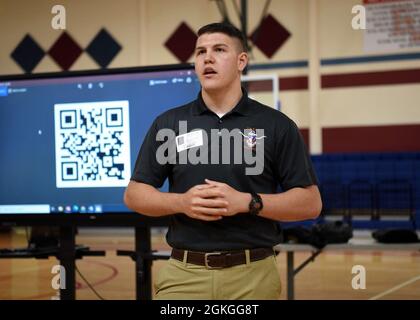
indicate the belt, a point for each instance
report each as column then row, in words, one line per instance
column 219, row 260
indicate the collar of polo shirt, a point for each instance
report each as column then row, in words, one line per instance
column 242, row 108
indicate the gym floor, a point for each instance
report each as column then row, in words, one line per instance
column 389, row 274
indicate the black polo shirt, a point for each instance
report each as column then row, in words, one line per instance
column 285, row 163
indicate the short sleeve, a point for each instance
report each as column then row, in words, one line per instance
column 293, row 164
column 147, row 169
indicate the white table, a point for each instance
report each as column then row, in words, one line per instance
column 357, row 243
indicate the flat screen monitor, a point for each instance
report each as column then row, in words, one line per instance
column 69, row 141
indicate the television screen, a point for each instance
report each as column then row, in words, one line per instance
column 69, row 141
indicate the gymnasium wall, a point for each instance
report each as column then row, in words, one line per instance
column 368, row 101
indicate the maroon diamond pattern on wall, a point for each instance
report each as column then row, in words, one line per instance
column 65, row 51
column 269, row 36
column 182, row 42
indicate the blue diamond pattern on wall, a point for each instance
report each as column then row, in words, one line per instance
column 103, row 48
column 27, row 54
column 65, row 51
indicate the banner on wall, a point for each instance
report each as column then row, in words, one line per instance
column 392, row 25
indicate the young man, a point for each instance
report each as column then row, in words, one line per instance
column 224, row 212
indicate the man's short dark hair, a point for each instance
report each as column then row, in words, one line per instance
column 227, row 29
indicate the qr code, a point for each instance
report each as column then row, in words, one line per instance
column 92, row 144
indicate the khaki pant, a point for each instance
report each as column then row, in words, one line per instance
column 258, row 280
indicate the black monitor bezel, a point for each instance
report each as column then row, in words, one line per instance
column 102, row 219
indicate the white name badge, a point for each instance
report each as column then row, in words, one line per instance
column 189, row 140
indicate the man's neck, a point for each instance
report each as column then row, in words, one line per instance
column 222, row 101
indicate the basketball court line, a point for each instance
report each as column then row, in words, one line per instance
column 406, row 283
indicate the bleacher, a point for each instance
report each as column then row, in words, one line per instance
column 372, row 190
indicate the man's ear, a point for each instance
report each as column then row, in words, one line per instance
column 242, row 61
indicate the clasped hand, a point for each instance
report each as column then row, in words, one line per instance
column 214, row 200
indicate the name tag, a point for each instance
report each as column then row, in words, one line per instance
column 189, row 140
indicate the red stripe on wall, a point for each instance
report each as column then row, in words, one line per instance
column 370, row 78
column 342, row 80
column 305, row 136
column 399, row 138
column 379, row 1
column 260, row 86
column 294, row 83
column 289, row 83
